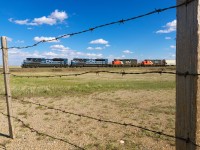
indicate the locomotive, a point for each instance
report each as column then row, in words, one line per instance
column 79, row 62
column 156, row 62
column 86, row 62
column 43, row 62
column 124, row 63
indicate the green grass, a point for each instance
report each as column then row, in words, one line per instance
column 34, row 87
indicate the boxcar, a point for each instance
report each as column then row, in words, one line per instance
column 170, row 62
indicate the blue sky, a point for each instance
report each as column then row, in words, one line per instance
column 25, row 22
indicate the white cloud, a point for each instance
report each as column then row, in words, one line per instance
column 168, row 38
column 173, row 55
column 44, row 20
column 19, row 41
column 66, row 51
column 169, row 27
column 20, row 22
column 90, row 48
column 99, row 41
column 54, row 18
column 50, row 54
column 95, row 48
column 19, row 54
column 59, row 15
column 13, row 51
column 173, row 47
column 98, row 48
column 30, row 28
column 127, row 52
column 38, row 39
column 123, row 56
column 92, row 55
column 9, row 39
column 60, row 48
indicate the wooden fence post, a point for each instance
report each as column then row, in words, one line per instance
column 7, row 85
column 188, row 86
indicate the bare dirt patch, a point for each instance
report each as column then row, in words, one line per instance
column 154, row 110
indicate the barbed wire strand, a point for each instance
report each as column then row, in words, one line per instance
column 156, row 11
column 110, row 121
column 123, row 73
column 42, row 134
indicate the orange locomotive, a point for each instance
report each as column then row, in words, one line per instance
column 124, row 63
column 156, row 62
column 147, row 63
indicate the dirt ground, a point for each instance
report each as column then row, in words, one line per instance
column 154, row 110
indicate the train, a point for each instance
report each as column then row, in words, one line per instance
column 86, row 62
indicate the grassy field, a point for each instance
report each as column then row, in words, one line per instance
column 146, row 100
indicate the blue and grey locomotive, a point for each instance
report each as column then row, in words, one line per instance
column 79, row 62
column 43, row 62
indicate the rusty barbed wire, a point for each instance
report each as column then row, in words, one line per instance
column 156, row 11
column 110, row 121
column 122, row 73
column 40, row 133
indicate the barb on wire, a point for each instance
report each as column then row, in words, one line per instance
column 42, row 134
column 112, row 122
column 107, row 24
column 98, row 73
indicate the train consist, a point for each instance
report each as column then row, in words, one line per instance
column 85, row 62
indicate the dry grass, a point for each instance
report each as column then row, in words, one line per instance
column 143, row 100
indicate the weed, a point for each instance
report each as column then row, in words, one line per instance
column 24, row 114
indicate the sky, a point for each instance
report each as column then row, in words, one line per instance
column 25, row 22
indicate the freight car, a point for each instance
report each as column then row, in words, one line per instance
column 85, row 62
column 170, row 62
column 124, row 63
column 155, row 62
column 42, row 62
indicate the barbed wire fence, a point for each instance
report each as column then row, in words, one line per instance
column 122, row 73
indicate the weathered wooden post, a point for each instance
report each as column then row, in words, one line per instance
column 7, row 85
column 188, row 85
